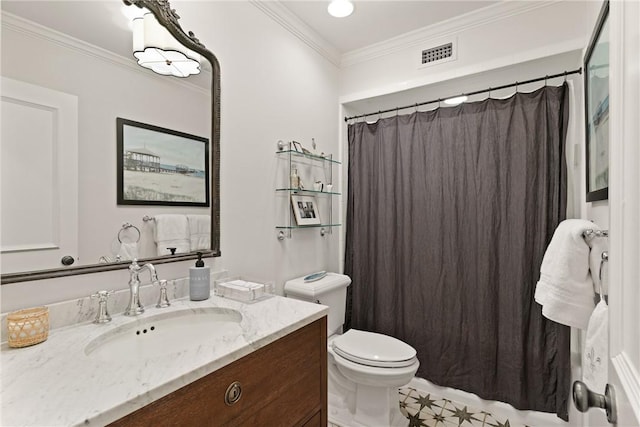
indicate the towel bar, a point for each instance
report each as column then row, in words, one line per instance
column 148, row 218
column 589, row 234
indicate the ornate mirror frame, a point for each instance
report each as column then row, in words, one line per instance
column 168, row 18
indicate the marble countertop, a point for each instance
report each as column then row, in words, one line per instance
column 56, row 383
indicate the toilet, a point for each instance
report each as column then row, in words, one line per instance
column 365, row 369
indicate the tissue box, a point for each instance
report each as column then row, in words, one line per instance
column 239, row 289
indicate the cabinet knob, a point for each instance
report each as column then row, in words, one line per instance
column 233, row 393
column 584, row 399
column 67, row 260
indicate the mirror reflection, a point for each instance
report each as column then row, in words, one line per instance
column 64, row 85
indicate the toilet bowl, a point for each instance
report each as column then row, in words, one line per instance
column 377, row 365
column 365, row 369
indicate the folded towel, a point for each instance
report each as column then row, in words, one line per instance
column 128, row 251
column 565, row 289
column 595, row 357
column 199, row 232
column 172, row 231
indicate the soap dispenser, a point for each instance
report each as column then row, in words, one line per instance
column 199, row 281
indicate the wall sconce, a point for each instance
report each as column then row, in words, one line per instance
column 155, row 48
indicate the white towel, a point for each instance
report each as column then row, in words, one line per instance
column 172, row 231
column 565, row 289
column 128, row 251
column 199, row 232
column 595, row 356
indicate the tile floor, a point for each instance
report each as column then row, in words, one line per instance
column 433, row 411
column 427, row 410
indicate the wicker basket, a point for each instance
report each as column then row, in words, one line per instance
column 28, row 327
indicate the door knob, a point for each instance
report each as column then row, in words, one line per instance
column 67, row 260
column 584, row 399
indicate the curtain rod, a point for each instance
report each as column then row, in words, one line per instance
column 565, row 74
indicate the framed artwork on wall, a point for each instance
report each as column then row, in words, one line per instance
column 158, row 166
column 305, row 209
column 596, row 95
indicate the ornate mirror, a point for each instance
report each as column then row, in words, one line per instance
column 103, row 188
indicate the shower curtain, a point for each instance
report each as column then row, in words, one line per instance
column 449, row 213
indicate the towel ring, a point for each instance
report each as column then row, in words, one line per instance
column 125, row 227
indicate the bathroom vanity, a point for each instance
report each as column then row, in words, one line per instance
column 282, row 384
column 263, row 363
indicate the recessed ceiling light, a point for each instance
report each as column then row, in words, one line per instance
column 340, row 8
column 455, row 101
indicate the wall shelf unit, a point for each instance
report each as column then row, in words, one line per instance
column 312, row 171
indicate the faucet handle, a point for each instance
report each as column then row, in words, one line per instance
column 163, row 301
column 103, row 295
column 103, row 313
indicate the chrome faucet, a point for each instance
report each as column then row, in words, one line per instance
column 135, row 308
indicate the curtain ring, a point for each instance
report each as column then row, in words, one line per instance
column 416, row 107
column 397, row 110
column 565, row 76
column 489, row 97
column 545, row 79
column 516, row 86
column 439, row 102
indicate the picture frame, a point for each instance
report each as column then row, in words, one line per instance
column 159, row 166
column 297, row 147
column 596, row 95
column 305, row 209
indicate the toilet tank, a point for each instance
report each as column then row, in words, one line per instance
column 331, row 291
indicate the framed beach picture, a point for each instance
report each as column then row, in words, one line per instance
column 596, row 95
column 158, row 166
column 305, row 209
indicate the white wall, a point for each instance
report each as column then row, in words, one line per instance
column 273, row 87
column 511, row 33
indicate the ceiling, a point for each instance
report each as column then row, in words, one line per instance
column 372, row 21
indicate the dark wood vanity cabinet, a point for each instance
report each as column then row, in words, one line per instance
column 282, row 384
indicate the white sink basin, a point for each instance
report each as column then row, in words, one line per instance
column 165, row 333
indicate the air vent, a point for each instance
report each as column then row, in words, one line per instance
column 437, row 53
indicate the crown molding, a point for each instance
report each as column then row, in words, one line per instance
column 458, row 24
column 23, row 26
column 290, row 22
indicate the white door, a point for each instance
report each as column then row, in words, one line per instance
column 39, row 177
column 624, row 208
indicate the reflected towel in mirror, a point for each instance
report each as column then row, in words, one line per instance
column 128, row 251
column 172, row 231
column 199, row 232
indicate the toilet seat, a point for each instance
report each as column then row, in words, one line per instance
column 372, row 349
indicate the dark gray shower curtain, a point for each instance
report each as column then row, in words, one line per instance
column 449, row 213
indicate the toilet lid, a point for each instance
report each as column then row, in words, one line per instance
column 371, row 349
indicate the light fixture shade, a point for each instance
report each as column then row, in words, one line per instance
column 340, row 8
column 155, row 48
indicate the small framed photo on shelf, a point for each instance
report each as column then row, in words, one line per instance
column 305, row 209
column 296, row 146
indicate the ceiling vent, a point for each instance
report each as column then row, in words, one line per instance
column 437, row 53
column 443, row 51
